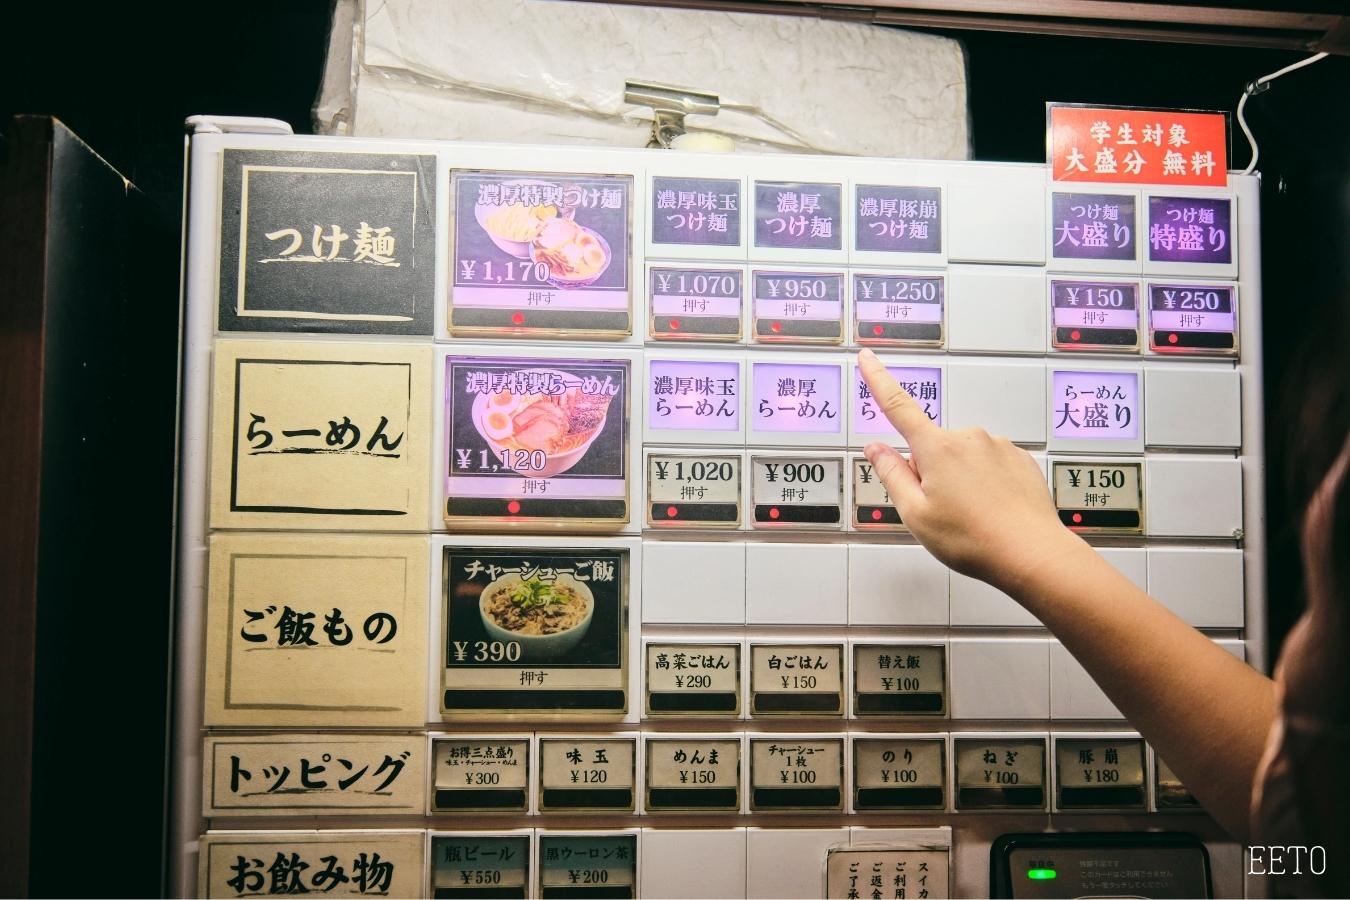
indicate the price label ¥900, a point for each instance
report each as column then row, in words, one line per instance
column 797, row 491
column 693, row 490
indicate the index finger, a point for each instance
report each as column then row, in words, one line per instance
column 897, row 405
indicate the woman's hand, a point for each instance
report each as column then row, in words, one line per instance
column 978, row 503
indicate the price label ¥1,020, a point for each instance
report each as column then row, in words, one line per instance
column 693, row 490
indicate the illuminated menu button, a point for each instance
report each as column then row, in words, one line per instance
column 540, row 254
column 576, row 866
column 536, row 440
column 693, row 774
column 481, row 774
column 577, row 774
column 467, row 865
column 899, row 680
column 693, row 679
column 797, row 491
column 893, row 870
column 898, row 310
column 693, row 490
column 1099, row 497
column 899, row 773
column 796, row 679
column 1000, row 773
column 1099, row 773
column 796, row 773
column 873, row 508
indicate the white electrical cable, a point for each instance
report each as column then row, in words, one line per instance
column 1257, row 87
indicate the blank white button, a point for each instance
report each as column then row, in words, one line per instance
column 1073, row 693
column 996, row 308
column 666, row 869
column 890, row 584
column 796, row 584
column 693, row 583
column 1192, row 406
column 1186, row 497
column 786, row 862
column 996, row 214
column 1000, row 679
column 976, row 603
column 1002, row 398
column 1203, row 586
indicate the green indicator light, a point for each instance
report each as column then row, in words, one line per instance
column 1040, row 874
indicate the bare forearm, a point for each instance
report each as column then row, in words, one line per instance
column 1203, row 710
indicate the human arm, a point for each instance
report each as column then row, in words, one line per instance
column 982, row 507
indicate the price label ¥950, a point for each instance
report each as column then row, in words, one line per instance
column 693, row 490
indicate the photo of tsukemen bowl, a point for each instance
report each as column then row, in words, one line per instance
column 546, row 618
column 573, row 255
column 541, row 435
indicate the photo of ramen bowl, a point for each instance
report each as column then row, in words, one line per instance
column 541, row 435
column 513, row 226
column 576, row 256
column 546, row 618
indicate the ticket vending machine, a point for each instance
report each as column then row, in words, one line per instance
column 527, row 548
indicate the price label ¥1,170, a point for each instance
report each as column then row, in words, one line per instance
column 797, row 491
column 693, row 490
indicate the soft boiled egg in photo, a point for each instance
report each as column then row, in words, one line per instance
column 498, row 424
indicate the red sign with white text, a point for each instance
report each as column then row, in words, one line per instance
column 1138, row 146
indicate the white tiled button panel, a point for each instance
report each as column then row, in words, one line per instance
column 828, row 583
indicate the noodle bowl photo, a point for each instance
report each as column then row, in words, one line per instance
column 540, row 435
column 545, row 618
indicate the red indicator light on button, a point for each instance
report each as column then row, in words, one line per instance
column 674, row 324
column 776, row 327
column 878, row 330
column 1074, row 335
column 1172, row 338
column 672, row 512
column 517, row 318
column 513, row 507
column 876, row 515
column 1077, row 518
column 773, row 512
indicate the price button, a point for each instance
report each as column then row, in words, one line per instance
column 898, row 310
column 996, row 773
column 790, row 773
column 1100, row 498
column 796, row 679
column 480, row 866
column 695, row 304
column 587, row 865
column 899, row 773
column 586, row 774
column 693, row 679
column 797, row 491
column 899, row 680
column 474, row 774
column 873, row 509
column 693, row 774
column 798, row 307
column 693, row 490
column 1099, row 773
column 1094, row 315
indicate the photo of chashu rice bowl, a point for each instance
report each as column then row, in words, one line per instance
column 560, row 426
column 545, row 618
column 576, row 256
